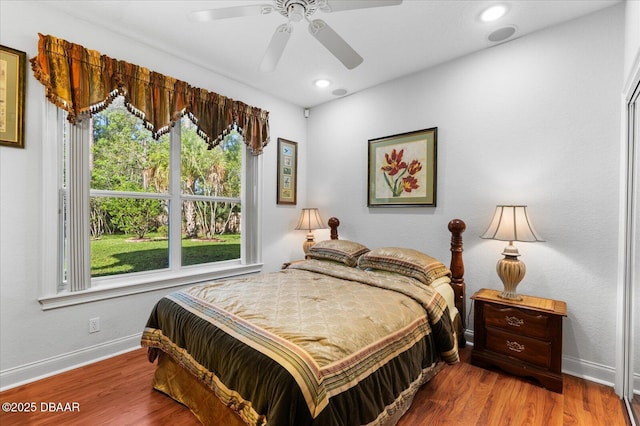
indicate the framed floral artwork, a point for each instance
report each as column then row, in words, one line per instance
column 287, row 171
column 12, row 75
column 402, row 169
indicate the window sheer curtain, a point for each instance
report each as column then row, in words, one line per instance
column 83, row 81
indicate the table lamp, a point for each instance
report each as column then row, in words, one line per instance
column 511, row 223
column 309, row 220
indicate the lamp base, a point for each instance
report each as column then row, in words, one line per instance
column 308, row 243
column 511, row 271
column 508, row 295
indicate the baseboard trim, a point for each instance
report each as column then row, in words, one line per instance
column 572, row 366
column 27, row 373
column 588, row 370
column 17, row 376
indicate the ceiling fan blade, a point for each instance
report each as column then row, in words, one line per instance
column 230, row 12
column 276, row 47
column 340, row 5
column 334, row 43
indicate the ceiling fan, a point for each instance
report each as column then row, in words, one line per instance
column 295, row 11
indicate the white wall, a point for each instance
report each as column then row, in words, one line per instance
column 34, row 342
column 632, row 35
column 533, row 121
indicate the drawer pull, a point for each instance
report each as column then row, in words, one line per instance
column 514, row 321
column 515, row 346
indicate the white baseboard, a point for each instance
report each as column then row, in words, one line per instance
column 587, row 370
column 31, row 372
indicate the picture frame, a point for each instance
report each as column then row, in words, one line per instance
column 12, row 78
column 287, row 171
column 402, row 169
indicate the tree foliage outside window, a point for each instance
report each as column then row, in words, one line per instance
column 131, row 195
column 214, row 173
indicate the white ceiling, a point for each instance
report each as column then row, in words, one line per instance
column 394, row 41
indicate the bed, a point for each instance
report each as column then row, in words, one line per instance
column 345, row 337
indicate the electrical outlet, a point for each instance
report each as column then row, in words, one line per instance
column 94, row 325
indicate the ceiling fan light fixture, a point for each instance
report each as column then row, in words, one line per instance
column 296, row 12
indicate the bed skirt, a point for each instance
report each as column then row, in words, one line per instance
column 182, row 386
column 176, row 382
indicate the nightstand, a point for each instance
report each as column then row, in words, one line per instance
column 520, row 337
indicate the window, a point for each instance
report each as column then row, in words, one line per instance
column 144, row 213
column 129, row 199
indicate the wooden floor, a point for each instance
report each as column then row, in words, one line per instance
column 118, row 392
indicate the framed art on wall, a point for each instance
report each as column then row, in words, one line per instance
column 402, row 169
column 287, row 171
column 12, row 75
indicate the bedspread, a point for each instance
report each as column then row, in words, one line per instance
column 318, row 334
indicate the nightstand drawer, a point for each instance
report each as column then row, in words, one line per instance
column 533, row 351
column 517, row 321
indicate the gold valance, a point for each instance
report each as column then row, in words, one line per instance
column 83, row 81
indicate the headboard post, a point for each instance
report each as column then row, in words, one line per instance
column 457, row 227
column 333, row 224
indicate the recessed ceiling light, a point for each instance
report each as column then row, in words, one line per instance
column 322, row 83
column 493, row 13
column 339, row 92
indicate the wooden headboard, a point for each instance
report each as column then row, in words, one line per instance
column 456, row 227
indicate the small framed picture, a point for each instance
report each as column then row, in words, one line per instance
column 402, row 169
column 12, row 76
column 287, row 171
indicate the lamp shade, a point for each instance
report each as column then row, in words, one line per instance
column 310, row 219
column 511, row 223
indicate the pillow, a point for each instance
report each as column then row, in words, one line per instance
column 409, row 262
column 343, row 251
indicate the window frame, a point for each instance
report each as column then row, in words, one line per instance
column 55, row 295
